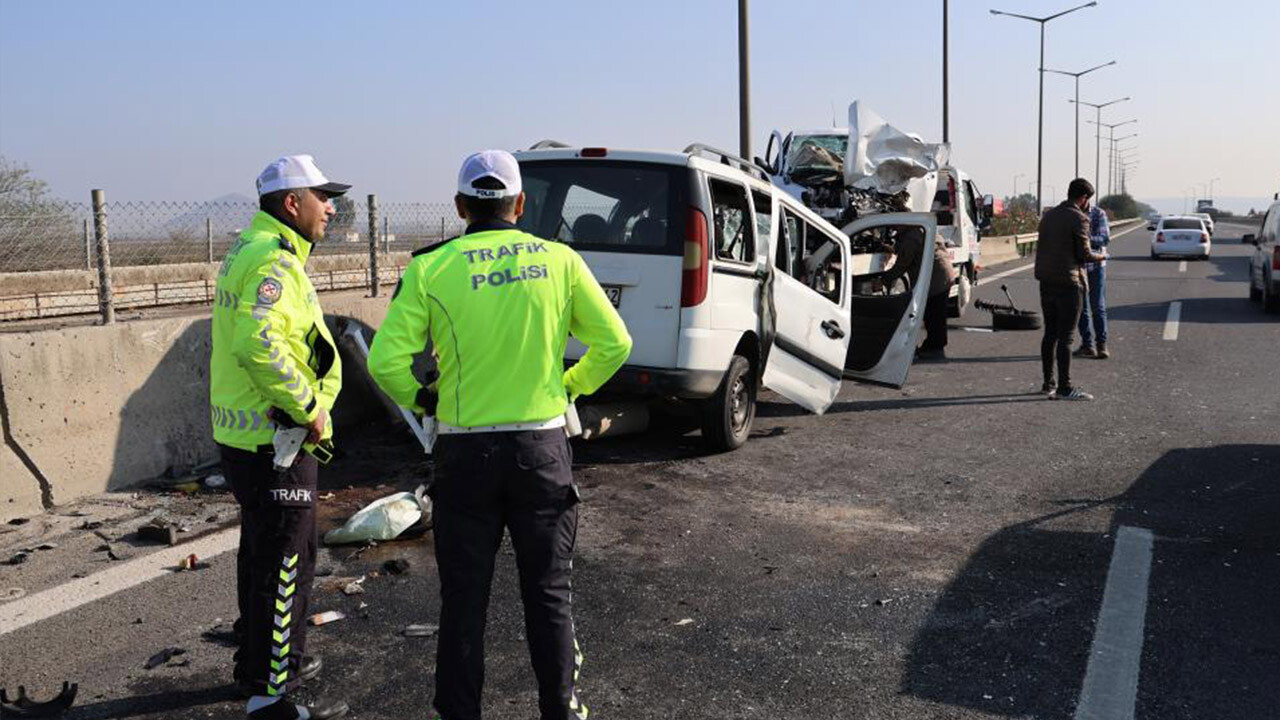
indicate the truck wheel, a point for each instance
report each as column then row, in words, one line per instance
column 727, row 415
column 964, row 293
column 1270, row 300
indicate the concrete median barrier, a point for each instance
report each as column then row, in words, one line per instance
column 107, row 407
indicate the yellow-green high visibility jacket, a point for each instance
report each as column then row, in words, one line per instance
column 270, row 344
column 498, row 306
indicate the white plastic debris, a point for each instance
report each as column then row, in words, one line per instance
column 383, row 519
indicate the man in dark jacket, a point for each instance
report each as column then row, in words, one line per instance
column 1062, row 250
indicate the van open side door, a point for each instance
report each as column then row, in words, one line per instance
column 887, row 306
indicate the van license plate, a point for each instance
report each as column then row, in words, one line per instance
column 614, row 293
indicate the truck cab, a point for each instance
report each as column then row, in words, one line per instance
column 809, row 165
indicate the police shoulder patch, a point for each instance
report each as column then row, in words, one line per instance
column 269, row 291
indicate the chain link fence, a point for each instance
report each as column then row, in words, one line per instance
column 50, row 263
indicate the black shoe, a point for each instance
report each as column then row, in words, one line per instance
column 931, row 355
column 286, row 709
column 309, row 670
column 1085, row 351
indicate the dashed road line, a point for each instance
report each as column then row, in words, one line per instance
column 1171, row 322
column 1182, row 266
column 1110, row 689
column 71, row 595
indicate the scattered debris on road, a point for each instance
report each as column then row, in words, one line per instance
column 159, row 531
column 421, row 630
column 18, row 558
column 383, row 519
column 686, row 621
column 326, row 617
column 190, row 562
column 353, row 588
column 24, row 707
column 163, row 657
column 398, row 566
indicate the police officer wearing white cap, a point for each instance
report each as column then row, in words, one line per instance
column 498, row 305
column 274, row 362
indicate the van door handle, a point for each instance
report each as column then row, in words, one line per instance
column 832, row 329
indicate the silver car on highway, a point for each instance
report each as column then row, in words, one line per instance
column 1264, row 264
column 1184, row 235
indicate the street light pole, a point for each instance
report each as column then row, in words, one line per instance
column 1097, row 150
column 946, row 109
column 1077, row 76
column 1040, row 120
column 744, row 82
column 1111, row 127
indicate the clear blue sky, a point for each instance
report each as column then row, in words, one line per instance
column 163, row 100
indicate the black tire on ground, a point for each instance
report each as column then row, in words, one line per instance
column 727, row 415
column 1255, row 295
column 1026, row 320
column 1154, row 256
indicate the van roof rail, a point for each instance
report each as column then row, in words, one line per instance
column 729, row 159
column 545, row 144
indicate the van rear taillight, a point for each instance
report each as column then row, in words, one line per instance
column 1204, row 237
column 1275, row 258
column 593, row 152
column 693, row 280
column 1159, row 237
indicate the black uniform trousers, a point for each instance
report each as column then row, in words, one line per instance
column 523, row 482
column 1061, row 306
column 935, row 322
column 275, row 566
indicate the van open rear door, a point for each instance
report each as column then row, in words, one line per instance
column 887, row 307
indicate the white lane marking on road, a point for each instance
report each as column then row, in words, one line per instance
column 1171, row 322
column 71, row 595
column 1028, row 266
column 1182, row 266
column 966, row 328
column 1110, row 688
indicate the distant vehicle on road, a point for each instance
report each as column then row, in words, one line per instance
column 1152, row 220
column 1184, row 235
column 1264, row 264
column 1208, row 221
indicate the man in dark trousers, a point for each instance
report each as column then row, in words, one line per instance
column 274, row 361
column 908, row 247
column 1062, row 250
column 497, row 306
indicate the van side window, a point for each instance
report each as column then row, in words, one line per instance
column 731, row 222
column 763, row 204
column 821, row 266
column 970, row 202
column 790, row 243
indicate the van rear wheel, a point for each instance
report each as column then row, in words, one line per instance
column 727, row 415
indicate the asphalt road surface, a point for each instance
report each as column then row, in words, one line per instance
column 959, row 548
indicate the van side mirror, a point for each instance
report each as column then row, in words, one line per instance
column 1249, row 239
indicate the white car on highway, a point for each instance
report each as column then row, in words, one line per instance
column 1184, row 235
column 1208, row 221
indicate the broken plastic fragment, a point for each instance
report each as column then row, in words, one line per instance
column 326, row 617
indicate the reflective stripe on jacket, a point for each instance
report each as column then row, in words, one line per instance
column 271, row 347
column 497, row 306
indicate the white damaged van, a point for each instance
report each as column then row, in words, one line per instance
column 725, row 282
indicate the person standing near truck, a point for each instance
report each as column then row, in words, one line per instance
column 908, row 246
column 273, row 362
column 1062, row 249
column 497, row 306
column 1093, row 320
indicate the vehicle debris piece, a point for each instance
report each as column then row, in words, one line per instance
column 163, row 657
column 354, row 588
column 421, row 630
column 686, row 621
column 326, row 617
column 383, row 519
column 158, row 531
column 191, row 562
column 24, row 707
column 398, row 566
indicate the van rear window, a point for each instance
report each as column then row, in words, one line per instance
column 607, row 206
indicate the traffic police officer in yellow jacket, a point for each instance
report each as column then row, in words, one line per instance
column 497, row 306
column 274, row 362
